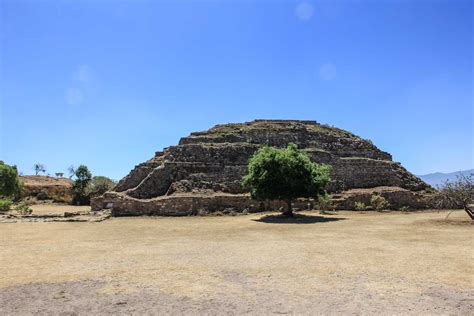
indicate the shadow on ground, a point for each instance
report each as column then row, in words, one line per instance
column 297, row 219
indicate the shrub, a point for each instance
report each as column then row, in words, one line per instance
column 99, row 185
column 43, row 195
column 360, row 206
column 285, row 174
column 404, row 209
column 5, row 205
column 10, row 186
column 325, row 202
column 378, row 202
column 23, row 209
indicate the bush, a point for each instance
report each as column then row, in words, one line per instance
column 378, row 202
column 23, row 209
column 404, row 209
column 43, row 195
column 99, row 185
column 59, row 195
column 360, row 206
column 325, row 202
column 5, row 205
column 10, row 186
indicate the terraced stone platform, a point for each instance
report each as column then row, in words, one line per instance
column 203, row 173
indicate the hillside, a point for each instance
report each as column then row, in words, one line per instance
column 44, row 187
column 438, row 178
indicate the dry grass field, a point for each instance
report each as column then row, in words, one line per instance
column 370, row 263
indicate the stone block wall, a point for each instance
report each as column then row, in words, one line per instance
column 209, row 166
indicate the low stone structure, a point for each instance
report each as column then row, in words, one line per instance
column 203, row 173
column 15, row 217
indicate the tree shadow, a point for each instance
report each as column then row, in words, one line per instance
column 297, row 219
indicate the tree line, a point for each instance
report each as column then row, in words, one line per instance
column 85, row 185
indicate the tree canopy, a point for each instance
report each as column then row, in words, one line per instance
column 39, row 168
column 10, row 185
column 99, row 185
column 285, row 174
column 458, row 194
column 83, row 177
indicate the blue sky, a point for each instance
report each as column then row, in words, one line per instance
column 108, row 83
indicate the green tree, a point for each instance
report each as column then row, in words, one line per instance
column 83, row 177
column 285, row 174
column 99, row 185
column 10, row 185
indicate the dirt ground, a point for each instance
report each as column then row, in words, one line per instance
column 41, row 209
column 349, row 263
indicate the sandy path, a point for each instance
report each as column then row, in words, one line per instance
column 362, row 263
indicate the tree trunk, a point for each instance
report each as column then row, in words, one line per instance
column 289, row 210
column 468, row 210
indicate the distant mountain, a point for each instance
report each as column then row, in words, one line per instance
column 438, row 178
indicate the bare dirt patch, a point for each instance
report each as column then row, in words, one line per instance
column 362, row 263
column 52, row 208
column 51, row 212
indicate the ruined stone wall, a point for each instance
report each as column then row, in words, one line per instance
column 185, row 205
column 213, row 162
column 202, row 204
column 397, row 198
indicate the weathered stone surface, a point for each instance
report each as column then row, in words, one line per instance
column 190, row 204
column 397, row 198
column 203, row 173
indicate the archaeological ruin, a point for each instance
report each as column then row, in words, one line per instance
column 203, row 173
